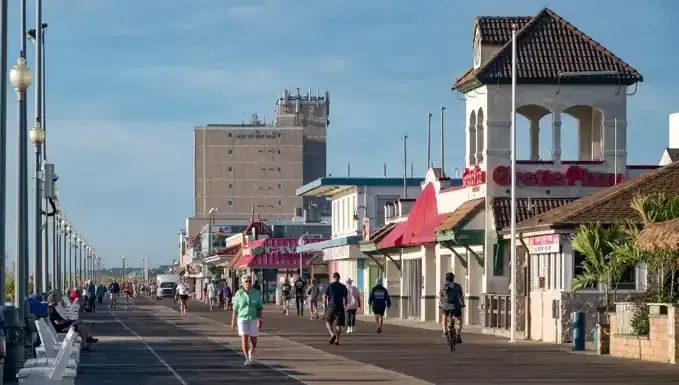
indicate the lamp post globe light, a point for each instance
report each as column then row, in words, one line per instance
column 37, row 134
column 20, row 75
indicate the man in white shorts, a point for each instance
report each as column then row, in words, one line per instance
column 247, row 311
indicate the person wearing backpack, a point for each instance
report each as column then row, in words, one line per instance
column 452, row 302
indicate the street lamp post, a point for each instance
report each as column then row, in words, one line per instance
column 71, row 245
column 3, row 135
column 20, row 76
column 123, row 278
column 37, row 137
column 82, row 265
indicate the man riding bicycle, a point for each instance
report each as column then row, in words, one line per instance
column 452, row 302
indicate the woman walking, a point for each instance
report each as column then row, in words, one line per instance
column 353, row 303
column 183, row 292
column 247, row 315
column 227, row 295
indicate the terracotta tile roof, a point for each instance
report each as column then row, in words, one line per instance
column 547, row 46
column 610, row 205
column 498, row 30
column 525, row 209
column 463, row 213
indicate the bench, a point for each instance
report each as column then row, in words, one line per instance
column 56, row 374
column 50, row 341
column 50, row 359
column 71, row 312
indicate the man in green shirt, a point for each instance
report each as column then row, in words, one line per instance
column 247, row 310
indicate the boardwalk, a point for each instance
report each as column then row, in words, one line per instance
column 149, row 343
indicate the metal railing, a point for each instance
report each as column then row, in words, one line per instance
column 497, row 311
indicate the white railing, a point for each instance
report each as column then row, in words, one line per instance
column 624, row 312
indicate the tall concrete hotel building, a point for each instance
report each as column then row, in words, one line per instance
column 257, row 163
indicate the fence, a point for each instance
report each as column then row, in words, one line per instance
column 624, row 312
column 497, row 311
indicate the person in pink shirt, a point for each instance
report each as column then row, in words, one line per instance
column 353, row 304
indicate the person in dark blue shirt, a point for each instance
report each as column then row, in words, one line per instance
column 379, row 301
column 335, row 300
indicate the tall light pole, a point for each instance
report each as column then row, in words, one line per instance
column 512, row 333
column 123, row 278
column 20, row 76
column 37, row 136
column 82, row 260
column 3, row 138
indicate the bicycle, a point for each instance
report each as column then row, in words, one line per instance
column 451, row 332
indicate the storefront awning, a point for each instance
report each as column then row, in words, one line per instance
column 370, row 244
column 272, row 253
column 316, row 245
column 223, row 255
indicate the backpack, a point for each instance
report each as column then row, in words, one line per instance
column 450, row 295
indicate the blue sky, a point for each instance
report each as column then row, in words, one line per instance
column 128, row 80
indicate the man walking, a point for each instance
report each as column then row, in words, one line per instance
column 101, row 292
column 247, row 312
column 300, row 285
column 312, row 298
column 379, row 301
column 335, row 300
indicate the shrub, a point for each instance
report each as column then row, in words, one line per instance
column 640, row 322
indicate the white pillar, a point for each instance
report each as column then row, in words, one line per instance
column 597, row 120
column 534, row 140
column 472, row 145
column 427, row 303
column 441, row 270
column 585, row 138
column 556, row 137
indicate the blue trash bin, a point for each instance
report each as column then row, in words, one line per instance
column 578, row 319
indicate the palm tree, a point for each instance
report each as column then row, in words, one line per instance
column 655, row 208
column 601, row 264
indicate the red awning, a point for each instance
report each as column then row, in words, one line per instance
column 421, row 225
column 423, row 219
column 394, row 238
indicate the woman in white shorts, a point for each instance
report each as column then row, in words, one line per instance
column 247, row 314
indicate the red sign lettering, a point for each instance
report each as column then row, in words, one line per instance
column 473, row 176
column 547, row 178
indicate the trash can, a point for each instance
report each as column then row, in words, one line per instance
column 578, row 319
column 14, row 342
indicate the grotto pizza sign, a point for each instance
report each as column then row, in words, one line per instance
column 573, row 176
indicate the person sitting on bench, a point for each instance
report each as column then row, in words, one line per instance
column 62, row 325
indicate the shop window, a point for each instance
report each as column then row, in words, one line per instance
column 579, row 267
column 628, row 280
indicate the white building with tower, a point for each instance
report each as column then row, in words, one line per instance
column 561, row 72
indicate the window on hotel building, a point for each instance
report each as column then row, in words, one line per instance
column 230, row 152
column 230, row 203
column 230, row 185
column 578, row 266
column 628, row 280
column 230, row 169
column 279, row 152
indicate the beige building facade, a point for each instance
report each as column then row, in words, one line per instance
column 259, row 165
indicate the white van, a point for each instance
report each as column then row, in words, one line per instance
column 166, row 285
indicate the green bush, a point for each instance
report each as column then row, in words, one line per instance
column 640, row 323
